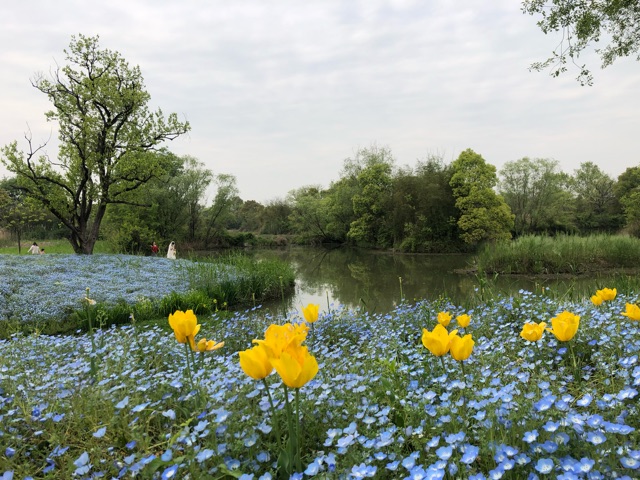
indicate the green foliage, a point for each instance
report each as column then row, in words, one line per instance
column 583, row 24
column 275, row 218
column 219, row 212
column 597, row 208
column 372, row 203
column 310, row 217
column 483, row 214
column 627, row 190
column 538, row 196
column 107, row 140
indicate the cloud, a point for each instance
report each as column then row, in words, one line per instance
column 280, row 93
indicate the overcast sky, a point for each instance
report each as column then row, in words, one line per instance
column 279, row 93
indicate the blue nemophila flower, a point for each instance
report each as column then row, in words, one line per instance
column 169, row 472
column 596, row 438
column 434, row 442
column 531, row 436
column 567, row 476
column 167, row 455
column 444, row 453
column 363, row 471
column 584, row 465
column 170, row 414
column 393, row 466
column 469, row 453
column 595, row 420
column 203, row 455
column 455, row 438
column 544, row 403
column 544, row 466
column 585, row 400
column 82, row 464
column 496, row 473
column 100, row 432
column 629, row 462
column 9, row 452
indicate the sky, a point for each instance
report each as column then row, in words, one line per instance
column 280, row 93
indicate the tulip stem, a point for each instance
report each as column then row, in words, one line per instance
column 576, row 373
column 299, row 453
column 273, row 410
column 189, row 376
column 293, row 447
column 464, row 409
column 443, row 365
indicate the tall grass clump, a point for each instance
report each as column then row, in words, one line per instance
column 237, row 279
column 562, row 254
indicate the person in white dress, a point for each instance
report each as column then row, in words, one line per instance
column 171, row 253
column 34, row 249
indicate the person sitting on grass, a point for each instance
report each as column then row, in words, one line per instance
column 33, row 249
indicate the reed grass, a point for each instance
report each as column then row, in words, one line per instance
column 563, row 254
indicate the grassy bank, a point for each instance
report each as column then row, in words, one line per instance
column 51, row 246
column 128, row 402
column 562, row 254
column 47, row 293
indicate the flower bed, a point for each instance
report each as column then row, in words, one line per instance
column 381, row 405
column 50, row 286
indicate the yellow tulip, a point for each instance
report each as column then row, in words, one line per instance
column 533, row 331
column 185, row 326
column 437, row 341
column 461, row 347
column 205, row 345
column 310, row 312
column 277, row 338
column 597, row 299
column 463, row 320
column 444, row 318
column 565, row 326
column 632, row 312
column 255, row 362
column 296, row 366
column 607, row 294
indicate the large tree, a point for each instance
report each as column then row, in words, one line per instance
column 537, row 194
column 484, row 215
column 583, row 24
column 597, row 207
column 107, row 140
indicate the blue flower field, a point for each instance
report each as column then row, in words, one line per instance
column 127, row 402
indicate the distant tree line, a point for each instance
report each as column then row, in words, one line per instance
column 113, row 179
column 430, row 207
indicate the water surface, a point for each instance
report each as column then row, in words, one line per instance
column 377, row 281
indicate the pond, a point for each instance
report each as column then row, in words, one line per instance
column 377, row 281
